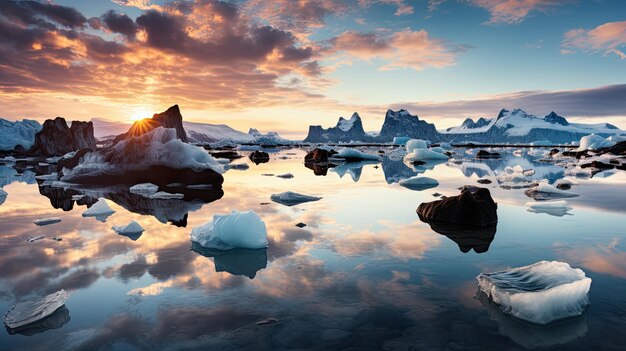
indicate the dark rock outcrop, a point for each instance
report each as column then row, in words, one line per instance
column 170, row 118
column 402, row 123
column 556, row 119
column 345, row 130
column 617, row 149
column 487, row 154
column 73, row 161
column 317, row 156
column 56, row 138
column 474, row 207
column 597, row 165
column 259, row 157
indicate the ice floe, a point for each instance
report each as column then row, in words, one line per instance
column 419, row 183
column 46, row 221
column 539, row 293
column 353, row 154
column 28, row 312
column 144, row 189
column 245, row 230
column 555, row 208
column 289, row 198
column 545, row 191
column 100, row 210
column 165, row 195
column 594, row 142
column 417, row 151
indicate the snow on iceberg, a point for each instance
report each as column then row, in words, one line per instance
column 28, row 312
column 46, row 221
column 539, row 293
column 419, row 183
column 132, row 230
column 352, row 154
column 289, row 198
column 594, row 142
column 144, row 189
column 545, row 191
column 159, row 147
column 18, row 133
column 100, row 210
column 417, row 151
column 245, row 230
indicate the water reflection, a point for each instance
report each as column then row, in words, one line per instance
column 237, row 261
column 533, row 336
column 466, row 236
column 354, row 169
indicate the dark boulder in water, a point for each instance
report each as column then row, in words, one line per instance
column 597, row 165
column 474, row 206
column 259, row 157
column 617, row 149
column 487, row 154
column 484, row 181
column 56, row 138
column 317, row 156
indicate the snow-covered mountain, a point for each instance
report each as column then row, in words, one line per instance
column 18, row 133
column 516, row 126
column 107, row 129
column 346, row 130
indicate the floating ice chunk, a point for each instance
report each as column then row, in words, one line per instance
column 43, row 164
column 51, row 176
column 555, row 208
column 444, row 145
column 144, row 189
column 60, row 184
column 132, row 229
column 243, row 230
column 36, row 238
column 594, row 142
column 400, row 140
column 539, row 293
column 223, row 161
column 78, row 197
column 100, row 210
column 285, row 175
column 545, row 191
column 349, row 153
column 419, row 183
column 28, row 312
column 417, row 151
column 237, row 166
column 165, row 195
column 46, row 221
column 289, row 198
column 415, row 144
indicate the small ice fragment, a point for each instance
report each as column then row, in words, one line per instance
column 165, row 195
column 131, row 229
column 144, row 189
column 37, row 238
column 43, row 164
column 555, row 208
column 285, row 175
column 545, row 191
column 539, row 293
column 289, row 198
column 46, row 221
column 100, row 210
column 200, row 186
column 245, row 230
column 51, row 176
column 28, row 312
column 349, row 153
column 419, row 183
column 77, row 197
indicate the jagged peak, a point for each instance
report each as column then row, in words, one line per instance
column 398, row 114
column 502, row 113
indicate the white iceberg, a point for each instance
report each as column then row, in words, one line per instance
column 165, row 195
column 18, row 133
column 131, row 229
column 245, row 230
column 144, row 189
column 594, row 142
column 545, row 191
column 419, row 183
column 349, row 153
column 555, row 208
column 289, row 198
column 46, row 221
column 100, row 210
column 417, row 151
column 28, row 312
column 539, row 293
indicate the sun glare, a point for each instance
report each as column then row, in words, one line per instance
column 140, row 114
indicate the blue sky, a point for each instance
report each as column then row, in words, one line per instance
column 317, row 60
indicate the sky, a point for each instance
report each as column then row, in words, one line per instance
column 283, row 65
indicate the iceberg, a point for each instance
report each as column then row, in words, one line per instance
column 594, row 142
column 289, row 198
column 100, row 210
column 28, row 312
column 17, row 133
column 144, row 189
column 555, row 208
column 165, row 195
column 545, row 191
column 132, row 230
column 46, row 221
column 400, row 140
column 417, row 151
column 236, row 230
column 540, row 293
column 352, row 154
column 419, row 183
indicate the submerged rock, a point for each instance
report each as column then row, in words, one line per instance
column 317, row 156
column 25, row 313
column 289, row 198
column 539, row 293
column 474, row 206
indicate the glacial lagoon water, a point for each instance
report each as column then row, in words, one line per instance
column 364, row 273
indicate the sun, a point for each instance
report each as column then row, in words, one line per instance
column 139, row 114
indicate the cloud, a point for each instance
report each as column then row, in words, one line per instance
column 597, row 102
column 401, row 7
column 120, row 23
column 514, row 11
column 608, row 38
column 403, row 49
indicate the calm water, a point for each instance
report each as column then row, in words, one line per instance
column 364, row 273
